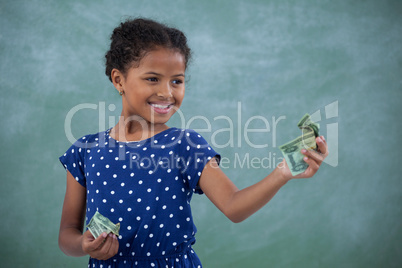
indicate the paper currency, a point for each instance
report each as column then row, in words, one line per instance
column 99, row 224
column 291, row 150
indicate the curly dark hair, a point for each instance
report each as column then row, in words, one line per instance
column 134, row 38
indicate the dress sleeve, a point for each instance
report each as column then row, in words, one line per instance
column 197, row 153
column 73, row 160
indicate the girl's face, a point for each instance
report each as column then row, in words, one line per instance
column 155, row 89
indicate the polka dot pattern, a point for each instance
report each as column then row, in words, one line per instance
column 147, row 186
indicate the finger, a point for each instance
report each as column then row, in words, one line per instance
column 322, row 145
column 111, row 247
column 316, row 156
column 313, row 165
column 88, row 236
column 94, row 245
column 105, row 248
column 115, row 246
column 311, row 169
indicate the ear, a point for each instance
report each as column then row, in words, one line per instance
column 117, row 79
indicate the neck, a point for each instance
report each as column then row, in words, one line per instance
column 135, row 128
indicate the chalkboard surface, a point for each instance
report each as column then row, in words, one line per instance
column 257, row 68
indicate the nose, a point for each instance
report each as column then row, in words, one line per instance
column 164, row 90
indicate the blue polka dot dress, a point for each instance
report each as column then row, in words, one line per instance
column 147, row 187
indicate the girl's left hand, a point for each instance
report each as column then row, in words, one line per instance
column 313, row 158
column 102, row 248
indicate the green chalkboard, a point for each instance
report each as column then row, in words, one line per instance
column 257, row 65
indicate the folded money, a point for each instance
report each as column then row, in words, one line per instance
column 291, row 150
column 99, row 224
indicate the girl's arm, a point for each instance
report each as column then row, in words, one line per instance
column 237, row 204
column 71, row 240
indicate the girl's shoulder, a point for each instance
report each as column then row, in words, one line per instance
column 178, row 137
column 190, row 138
column 184, row 133
column 90, row 140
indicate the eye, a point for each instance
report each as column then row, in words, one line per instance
column 152, row 79
column 177, row 81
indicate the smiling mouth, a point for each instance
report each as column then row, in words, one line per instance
column 161, row 108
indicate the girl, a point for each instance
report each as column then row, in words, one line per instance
column 141, row 173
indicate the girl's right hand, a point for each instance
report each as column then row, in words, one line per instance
column 102, row 248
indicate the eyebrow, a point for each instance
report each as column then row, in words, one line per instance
column 153, row 73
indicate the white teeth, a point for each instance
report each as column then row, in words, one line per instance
column 160, row 106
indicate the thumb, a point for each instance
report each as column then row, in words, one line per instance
column 93, row 244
